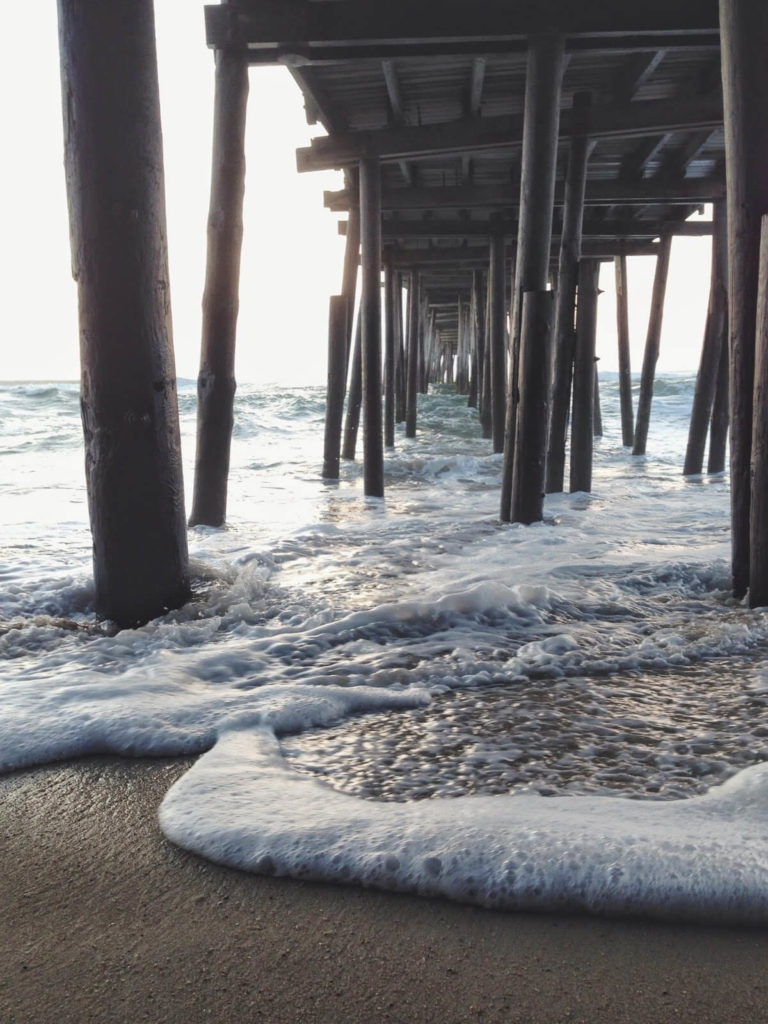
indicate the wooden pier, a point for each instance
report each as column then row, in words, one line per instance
column 494, row 153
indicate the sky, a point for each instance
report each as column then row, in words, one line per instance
column 292, row 253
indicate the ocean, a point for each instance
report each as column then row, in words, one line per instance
column 405, row 692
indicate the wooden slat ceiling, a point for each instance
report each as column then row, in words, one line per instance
column 400, row 78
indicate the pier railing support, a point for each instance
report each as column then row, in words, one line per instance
column 568, row 269
column 743, row 44
column 715, row 336
column 582, row 428
column 653, row 338
column 546, row 62
column 216, row 380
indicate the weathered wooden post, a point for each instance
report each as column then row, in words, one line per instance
column 355, row 396
column 497, row 338
column 598, row 414
column 400, row 361
column 370, row 318
column 718, row 428
column 568, row 268
column 351, row 261
column 114, row 171
column 216, row 380
column 651, row 353
column 715, row 336
column 536, row 370
column 337, row 352
column 582, row 427
column 412, row 368
column 625, row 372
column 743, row 45
column 758, row 541
column 486, row 403
column 390, row 316
column 546, row 55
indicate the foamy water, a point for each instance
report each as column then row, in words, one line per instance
column 414, row 656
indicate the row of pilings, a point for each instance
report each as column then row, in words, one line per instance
column 114, row 172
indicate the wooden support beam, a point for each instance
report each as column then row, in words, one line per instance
column 113, row 156
column 497, row 339
column 744, row 34
column 544, row 75
column 476, row 83
column 216, row 380
column 334, row 405
column 355, row 398
column 567, row 274
column 393, row 231
column 651, row 354
column 634, row 73
column 390, row 315
column 370, row 318
column 412, row 375
column 583, row 429
column 758, row 540
column 284, row 29
column 715, row 334
column 476, row 135
column 718, row 428
column 625, row 373
column 682, row 191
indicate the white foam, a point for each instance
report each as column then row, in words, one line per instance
column 703, row 859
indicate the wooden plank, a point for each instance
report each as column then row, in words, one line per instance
column 477, row 135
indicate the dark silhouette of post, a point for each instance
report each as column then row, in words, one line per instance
column 370, row 318
column 390, row 316
column 354, row 398
column 115, row 189
column 718, row 428
column 651, row 354
column 568, row 269
column 743, row 45
column 625, row 372
column 412, row 372
column 758, row 541
column 216, row 380
column 544, row 75
column 497, row 339
column 582, row 428
column 715, row 335
column 337, row 357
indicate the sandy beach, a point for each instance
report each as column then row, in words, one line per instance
column 104, row 921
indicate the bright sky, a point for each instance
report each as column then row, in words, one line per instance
column 292, row 254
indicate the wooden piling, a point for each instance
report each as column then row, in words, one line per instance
column 625, row 372
column 497, row 339
column 400, row 359
column 486, row 401
column 718, row 428
column 568, row 268
column 390, row 316
column 114, row 175
column 533, row 414
column 598, row 413
column 370, row 318
column 546, row 55
column 354, row 398
column 743, row 45
column 412, row 376
column 337, row 346
column 758, row 542
column 715, row 336
column 651, row 354
column 216, row 380
column 582, row 426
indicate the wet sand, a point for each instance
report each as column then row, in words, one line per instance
column 102, row 920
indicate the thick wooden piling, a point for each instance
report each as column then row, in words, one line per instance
column 598, row 414
column 400, row 359
column 412, row 375
column 216, row 380
column 568, row 268
column 758, row 542
column 497, row 339
column 351, row 263
column 486, row 399
column 715, row 335
column 370, row 318
column 625, row 371
column 354, row 398
column 478, row 303
column 651, row 354
column 582, row 428
column 533, row 414
column 114, row 175
column 743, row 45
column 337, row 358
column 390, row 316
column 546, row 55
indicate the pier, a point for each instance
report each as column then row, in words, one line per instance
column 495, row 155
